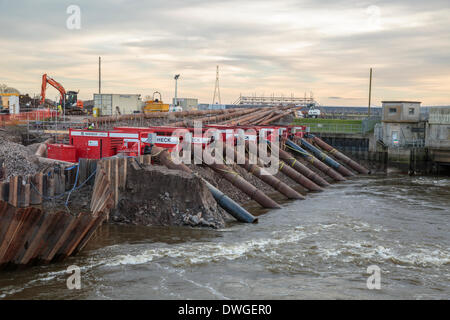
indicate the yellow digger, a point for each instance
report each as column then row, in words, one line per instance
column 155, row 105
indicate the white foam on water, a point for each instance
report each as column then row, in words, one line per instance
column 43, row 277
column 199, row 253
column 355, row 251
column 426, row 258
column 206, row 252
column 10, row 291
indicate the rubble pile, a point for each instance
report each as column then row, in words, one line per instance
column 16, row 159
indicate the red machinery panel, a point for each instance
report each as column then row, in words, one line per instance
column 96, row 144
column 62, row 152
column 92, row 144
column 164, row 137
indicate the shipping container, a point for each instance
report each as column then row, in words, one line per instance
column 115, row 104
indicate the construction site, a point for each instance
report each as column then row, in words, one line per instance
column 75, row 175
column 224, row 150
column 65, row 169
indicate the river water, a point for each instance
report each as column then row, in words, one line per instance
column 318, row 248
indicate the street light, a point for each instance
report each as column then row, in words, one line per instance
column 176, row 88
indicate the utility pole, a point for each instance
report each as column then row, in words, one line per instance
column 370, row 91
column 100, row 85
column 99, row 75
column 64, row 109
column 176, row 89
column 216, row 88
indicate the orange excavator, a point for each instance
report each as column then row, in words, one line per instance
column 68, row 100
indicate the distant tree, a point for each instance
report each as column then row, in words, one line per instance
column 5, row 89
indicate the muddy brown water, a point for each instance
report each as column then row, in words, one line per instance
column 316, row 248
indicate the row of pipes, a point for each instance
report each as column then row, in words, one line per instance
column 241, row 116
column 323, row 157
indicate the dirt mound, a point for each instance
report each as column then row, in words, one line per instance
column 155, row 195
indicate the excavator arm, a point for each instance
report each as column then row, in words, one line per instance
column 69, row 99
column 54, row 84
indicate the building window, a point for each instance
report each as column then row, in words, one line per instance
column 411, row 111
column 392, row 110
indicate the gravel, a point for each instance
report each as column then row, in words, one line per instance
column 17, row 159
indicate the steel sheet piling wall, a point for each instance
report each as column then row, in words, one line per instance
column 31, row 236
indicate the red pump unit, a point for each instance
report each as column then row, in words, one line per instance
column 131, row 141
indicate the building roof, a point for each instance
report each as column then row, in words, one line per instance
column 401, row 101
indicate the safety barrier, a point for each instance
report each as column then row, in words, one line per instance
column 40, row 114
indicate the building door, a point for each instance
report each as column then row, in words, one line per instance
column 395, row 138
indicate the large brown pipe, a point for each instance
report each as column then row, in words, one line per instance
column 279, row 116
column 107, row 119
column 218, row 118
column 272, row 181
column 258, row 117
column 320, row 165
column 240, row 183
column 274, row 118
column 164, row 156
column 42, row 149
column 298, row 177
column 340, row 156
column 294, row 163
column 270, row 115
column 253, row 114
column 319, row 154
column 266, row 177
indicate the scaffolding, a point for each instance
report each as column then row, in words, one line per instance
column 276, row 100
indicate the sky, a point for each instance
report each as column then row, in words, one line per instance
column 280, row 47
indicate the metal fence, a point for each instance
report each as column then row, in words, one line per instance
column 369, row 123
column 362, row 127
column 334, row 127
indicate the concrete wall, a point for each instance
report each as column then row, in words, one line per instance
column 438, row 129
column 404, row 111
column 439, row 115
column 404, row 133
column 438, row 136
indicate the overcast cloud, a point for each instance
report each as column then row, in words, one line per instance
column 262, row 47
